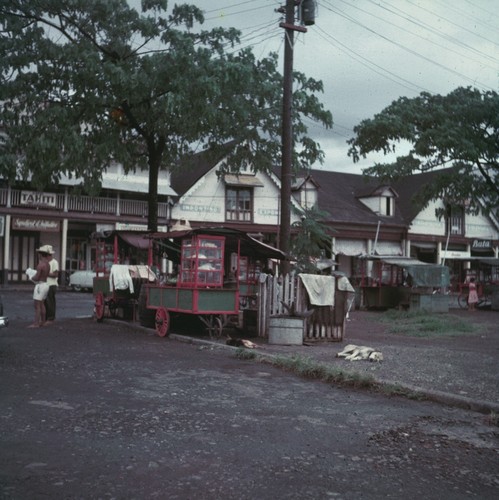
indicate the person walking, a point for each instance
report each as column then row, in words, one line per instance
column 41, row 287
column 50, row 302
column 472, row 295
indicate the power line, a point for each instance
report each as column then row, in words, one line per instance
column 403, row 47
column 367, row 63
column 439, row 32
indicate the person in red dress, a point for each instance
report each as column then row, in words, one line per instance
column 472, row 295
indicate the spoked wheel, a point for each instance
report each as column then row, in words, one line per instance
column 99, row 306
column 463, row 301
column 112, row 306
column 218, row 326
column 214, row 325
column 162, row 322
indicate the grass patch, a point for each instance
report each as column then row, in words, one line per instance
column 306, row 367
column 309, row 368
column 423, row 324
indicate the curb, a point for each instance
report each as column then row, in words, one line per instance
column 445, row 398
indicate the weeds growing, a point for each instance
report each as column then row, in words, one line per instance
column 423, row 324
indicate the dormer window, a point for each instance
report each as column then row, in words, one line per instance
column 389, row 206
column 305, row 192
column 381, row 201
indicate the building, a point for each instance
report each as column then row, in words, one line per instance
column 65, row 218
column 366, row 216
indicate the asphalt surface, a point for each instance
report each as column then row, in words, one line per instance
column 109, row 410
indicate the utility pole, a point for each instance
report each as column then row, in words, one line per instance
column 287, row 130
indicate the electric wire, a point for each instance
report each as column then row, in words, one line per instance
column 349, row 18
column 439, row 32
column 368, row 63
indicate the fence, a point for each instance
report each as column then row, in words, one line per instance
column 286, row 296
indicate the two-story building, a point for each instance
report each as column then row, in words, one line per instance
column 366, row 217
column 63, row 217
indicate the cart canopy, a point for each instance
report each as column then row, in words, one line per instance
column 422, row 274
column 250, row 246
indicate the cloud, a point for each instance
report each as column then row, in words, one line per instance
column 370, row 53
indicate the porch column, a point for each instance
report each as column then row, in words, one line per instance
column 6, row 250
column 64, row 251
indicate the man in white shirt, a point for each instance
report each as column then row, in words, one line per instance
column 50, row 302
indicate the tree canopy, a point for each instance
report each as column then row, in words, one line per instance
column 459, row 130
column 85, row 83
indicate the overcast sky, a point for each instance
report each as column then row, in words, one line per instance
column 369, row 53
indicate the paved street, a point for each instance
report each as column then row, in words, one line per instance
column 106, row 410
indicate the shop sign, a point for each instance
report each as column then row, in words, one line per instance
column 481, row 245
column 36, row 199
column 125, row 226
column 455, row 254
column 27, row 224
column 209, row 209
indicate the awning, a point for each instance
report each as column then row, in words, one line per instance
column 250, row 247
column 136, row 240
column 427, row 245
column 243, row 180
column 422, row 274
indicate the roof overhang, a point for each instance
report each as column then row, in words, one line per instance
column 243, row 180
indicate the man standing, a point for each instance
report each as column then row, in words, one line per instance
column 50, row 303
column 41, row 288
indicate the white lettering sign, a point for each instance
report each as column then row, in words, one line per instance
column 199, row 208
column 22, row 224
column 268, row 211
column 125, row 226
column 35, row 199
column 481, row 244
column 455, row 254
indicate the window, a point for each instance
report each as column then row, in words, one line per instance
column 239, row 204
column 455, row 220
column 389, row 206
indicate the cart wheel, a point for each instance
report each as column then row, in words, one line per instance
column 99, row 306
column 162, row 322
column 113, row 307
column 218, row 327
column 463, row 301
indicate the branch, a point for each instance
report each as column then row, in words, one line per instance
column 488, row 180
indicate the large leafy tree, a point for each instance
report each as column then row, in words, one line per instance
column 88, row 82
column 459, row 130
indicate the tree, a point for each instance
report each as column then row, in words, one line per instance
column 460, row 130
column 311, row 240
column 89, row 82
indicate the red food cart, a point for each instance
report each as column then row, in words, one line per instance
column 216, row 276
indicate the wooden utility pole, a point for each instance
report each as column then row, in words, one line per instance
column 287, row 131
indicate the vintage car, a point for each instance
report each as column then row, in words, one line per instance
column 82, row 280
column 4, row 321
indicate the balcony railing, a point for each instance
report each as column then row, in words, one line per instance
column 87, row 204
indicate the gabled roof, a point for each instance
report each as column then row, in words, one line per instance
column 339, row 194
column 194, row 166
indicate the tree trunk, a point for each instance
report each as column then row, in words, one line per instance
column 152, row 201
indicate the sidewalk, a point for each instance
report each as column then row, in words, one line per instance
column 460, row 371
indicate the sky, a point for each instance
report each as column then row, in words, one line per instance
column 368, row 53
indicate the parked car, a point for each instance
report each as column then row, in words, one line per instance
column 82, row 280
column 4, row 321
